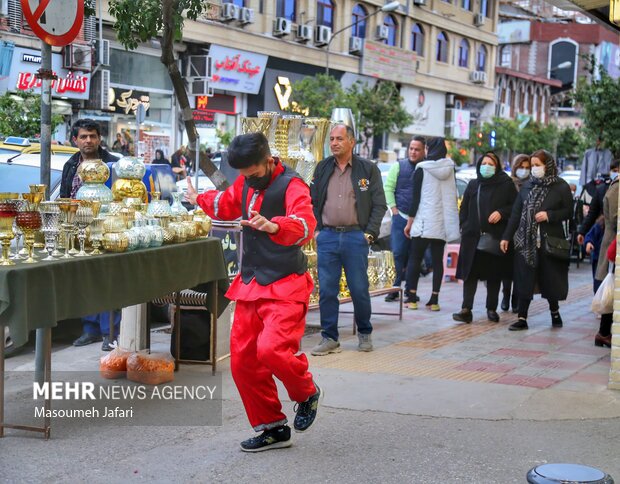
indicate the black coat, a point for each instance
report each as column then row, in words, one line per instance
column 551, row 274
column 496, row 194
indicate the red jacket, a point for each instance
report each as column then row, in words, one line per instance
column 296, row 228
column 611, row 252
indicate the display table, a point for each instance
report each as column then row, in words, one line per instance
column 36, row 296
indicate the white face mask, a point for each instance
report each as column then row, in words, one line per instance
column 523, row 173
column 538, row 171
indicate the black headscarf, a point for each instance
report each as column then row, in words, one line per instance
column 436, row 149
column 499, row 175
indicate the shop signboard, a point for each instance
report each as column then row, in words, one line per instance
column 387, row 62
column 208, row 106
column 126, row 101
column 22, row 76
column 427, row 109
column 237, row 70
column 459, row 124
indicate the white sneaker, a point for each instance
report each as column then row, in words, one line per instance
column 325, row 347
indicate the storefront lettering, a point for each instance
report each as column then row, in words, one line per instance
column 235, row 64
column 284, row 97
column 128, row 101
column 28, row 80
column 217, row 78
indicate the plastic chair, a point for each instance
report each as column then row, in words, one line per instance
column 450, row 259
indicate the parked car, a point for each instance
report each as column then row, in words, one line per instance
column 18, row 170
column 572, row 178
column 16, row 144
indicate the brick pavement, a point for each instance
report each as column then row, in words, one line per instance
column 430, row 344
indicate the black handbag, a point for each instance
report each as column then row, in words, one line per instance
column 556, row 247
column 486, row 242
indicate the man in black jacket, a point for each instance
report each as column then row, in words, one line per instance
column 349, row 203
column 86, row 135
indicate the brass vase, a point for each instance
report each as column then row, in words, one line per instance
column 322, row 132
column 255, row 125
column 272, row 116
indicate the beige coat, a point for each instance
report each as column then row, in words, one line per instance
column 610, row 210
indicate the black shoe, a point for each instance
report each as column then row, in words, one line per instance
column 86, row 339
column 306, row 411
column 556, row 320
column 276, row 438
column 105, row 346
column 412, row 298
column 463, row 316
column 391, row 297
column 492, row 315
column 433, row 301
column 505, row 302
column 520, row 325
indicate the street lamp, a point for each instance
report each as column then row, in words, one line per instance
column 389, row 7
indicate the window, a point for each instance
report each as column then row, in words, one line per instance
column 417, row 39
column 463, row 53
column 392, row 26
column 481, row 59
column 484, row 8
column 358, row 19
column 442, row 47
column 506, row 56
column 466, row 5
column 238, row 3
column 325, row 13
column 286, row 9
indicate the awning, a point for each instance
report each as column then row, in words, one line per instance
column 6, row 56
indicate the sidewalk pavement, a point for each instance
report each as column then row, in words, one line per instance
column 436, row 402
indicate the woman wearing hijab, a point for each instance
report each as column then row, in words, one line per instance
column 485, row 209
column 433, row 218
column 543, row 204
column 160, row 159
column 520, row 173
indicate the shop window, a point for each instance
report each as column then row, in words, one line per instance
column 417, row 39
column 481, row 58
column 286, row 9
column 358, row 19
column 325, row 13
column 392, row 26
column 442, row 48
column 463, row 53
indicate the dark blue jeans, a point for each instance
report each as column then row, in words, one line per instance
column 400, row 249
column 336, row 250
column 99, row 324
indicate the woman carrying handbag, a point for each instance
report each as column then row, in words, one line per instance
column 485, row 210
column 542, row 256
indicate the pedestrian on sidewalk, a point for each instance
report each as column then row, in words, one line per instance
column 272, row 289
column 398, row 194
column 485, row 209
column 542, row 207
column 603, row 337
column 519, row 173
column 349, row 203
column 433, row 217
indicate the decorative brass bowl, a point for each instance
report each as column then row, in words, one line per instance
column 115, row 241
column 93, row 171
column 125, row 188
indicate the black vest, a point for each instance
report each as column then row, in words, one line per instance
column 263, row 259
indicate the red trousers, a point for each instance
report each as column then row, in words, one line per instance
column 264, row 343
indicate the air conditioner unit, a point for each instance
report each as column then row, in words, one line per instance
column 478, row 19
column 382, row 32
column 419, row 2
column 281, row 27
column 450, row 98
column 322, row 35
column 303, row 33
column 246, row 16
column 356, row 45
column 78, row 57
column 102, row 51
column 230, row 11
column 100, row 90
column 478, row 77
column 199, row 67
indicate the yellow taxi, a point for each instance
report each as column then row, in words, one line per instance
column 16, row 144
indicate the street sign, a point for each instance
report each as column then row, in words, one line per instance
column 55, row 22
column 140, row 113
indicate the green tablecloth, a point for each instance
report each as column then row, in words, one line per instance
column 38, row 295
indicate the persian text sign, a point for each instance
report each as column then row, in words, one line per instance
column 237, row 70
column 386, row 62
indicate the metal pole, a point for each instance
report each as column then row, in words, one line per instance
column 46, row 113
column 197, row 161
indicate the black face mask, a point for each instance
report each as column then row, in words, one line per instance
column 259, row 182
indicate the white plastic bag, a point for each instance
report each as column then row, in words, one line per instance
column 603, row 302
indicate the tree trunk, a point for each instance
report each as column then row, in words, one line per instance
column 167, row 58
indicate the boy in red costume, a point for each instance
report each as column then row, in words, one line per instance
column 272, row 290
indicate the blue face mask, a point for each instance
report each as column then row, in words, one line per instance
column 613, row 175
column 487, row 171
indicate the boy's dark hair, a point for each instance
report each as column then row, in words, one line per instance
column 615, row 163
column 247, row 150
column 419, row 138
column 87, row 124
